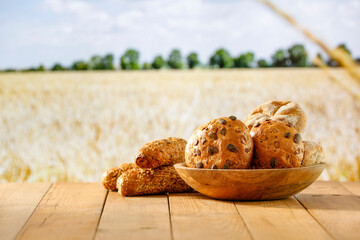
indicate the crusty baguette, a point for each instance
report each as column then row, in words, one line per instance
column 110, row 176
column 151, row 181
column 161, row 152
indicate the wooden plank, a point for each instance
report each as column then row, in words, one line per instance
column 280, row 219
column 17, row 202
column 334, row 207
column 142, row 217
column 353, row 187
column 195, row 216
column 68, row 211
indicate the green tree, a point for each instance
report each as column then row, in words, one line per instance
column 280, row 59
column 298, row 56
column 262, row 63
column 57, row 67
column 175, row 59
column 192, row 60
column 146, row 66
column 333, row 62
column 107, row 62
column 79, row 66
column 245, row 60
column 41, row 68
column 130, row 60
column 95, row 63
column 221, row 59
column 158, row 62
column 32, row 69
column 320, row 57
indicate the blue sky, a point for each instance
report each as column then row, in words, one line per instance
column 34, row 32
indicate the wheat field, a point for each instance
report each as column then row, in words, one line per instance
column 72, row 126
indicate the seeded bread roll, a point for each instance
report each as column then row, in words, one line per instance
column 139, row 181
column 110, row 176
column 277, row 145
column 314, row 154
column 161, row 152
column 222, row 143
column 285, row 111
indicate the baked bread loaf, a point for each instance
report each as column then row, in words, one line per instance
column 277, row 145
column 285, row 111
column 161, row 153
column 222, row 143
column 314, row 153
column 151, row 181
column 110, row 177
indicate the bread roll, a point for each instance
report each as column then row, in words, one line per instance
column 285, row 111
column 314, row 153
column 222, row 143
column 110, row 176
column 277, row 145
column 151, row 181
column 161, row 152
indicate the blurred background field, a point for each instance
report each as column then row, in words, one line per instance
column 84, row 84
column 71, row 126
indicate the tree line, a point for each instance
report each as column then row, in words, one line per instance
column 294, row 56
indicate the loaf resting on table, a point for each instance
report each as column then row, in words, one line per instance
column 110, row 176
column 139, row 181
column 152, row 172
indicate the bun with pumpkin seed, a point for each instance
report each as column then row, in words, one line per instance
column 223, row 143
column 277, row 145
column 284, row 111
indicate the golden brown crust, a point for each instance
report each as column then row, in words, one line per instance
column 161, row 152
column 277, row 145
column 285, row 111
column 151, row 181
column 111, row 175
column 221, row 143
column 314, row 154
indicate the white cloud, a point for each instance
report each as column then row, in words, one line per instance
column 54, row 5
column 79, row 10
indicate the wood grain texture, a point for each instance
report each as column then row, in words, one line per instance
column 353, row 187
column 68, row 211
column 17, row 202
column 249, row 184
column 195, row 216
column 280, row 219
column 334, row 207
column 142, row 217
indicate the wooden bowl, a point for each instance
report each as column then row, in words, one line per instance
column 249, row 184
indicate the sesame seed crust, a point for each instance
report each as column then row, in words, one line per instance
column 110, row 177
column 138, row 181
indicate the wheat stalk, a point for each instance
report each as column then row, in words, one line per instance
column 320, row 63
column 338, row 54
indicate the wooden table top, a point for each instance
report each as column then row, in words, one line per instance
column 325, row 210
